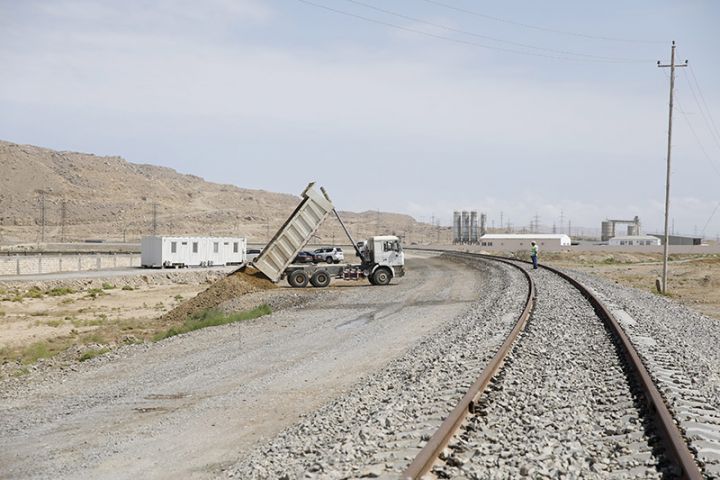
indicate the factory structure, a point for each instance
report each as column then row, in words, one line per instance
column 608, row 227
column 468, row 227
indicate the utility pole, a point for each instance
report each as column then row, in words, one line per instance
column 42, row 215
column 501, row 220
column 154, row 224
column 672, row 67
column 562, row 221
column 537, row 223
column 63, row 215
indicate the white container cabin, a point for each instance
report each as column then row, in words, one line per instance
column 511, row 242
column 166, row 252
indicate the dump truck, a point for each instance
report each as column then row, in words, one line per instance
column 381, row 257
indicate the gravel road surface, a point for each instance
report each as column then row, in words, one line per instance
column 192, row 405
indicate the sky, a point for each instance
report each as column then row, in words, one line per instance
column 515, row 109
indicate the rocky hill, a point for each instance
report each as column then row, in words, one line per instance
column 111, row 199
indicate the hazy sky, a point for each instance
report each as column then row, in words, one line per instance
column 401, row 110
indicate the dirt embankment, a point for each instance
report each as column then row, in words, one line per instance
column 237, row 284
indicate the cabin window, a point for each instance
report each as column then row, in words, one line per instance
column 195, row 247
column 184, row 243
column 392, row 246
column 173, row 247
column 235, row 247
column 216, row 247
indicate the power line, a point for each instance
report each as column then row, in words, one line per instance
column 459, row 41
column 708, row 118
column 487, row 37
column 697, row 138
column 702, row 234
column 540, row 28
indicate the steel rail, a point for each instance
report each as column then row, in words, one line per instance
column 675, row 445
column 676, row 448
column 428, row 455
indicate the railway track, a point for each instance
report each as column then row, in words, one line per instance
column 565, row 393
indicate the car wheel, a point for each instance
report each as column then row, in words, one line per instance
column 329, row 260
column 320, row 279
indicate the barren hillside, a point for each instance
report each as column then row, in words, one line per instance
column 110, row 198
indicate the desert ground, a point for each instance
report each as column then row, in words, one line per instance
column 56, row 323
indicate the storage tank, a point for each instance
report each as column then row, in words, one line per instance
column 633, row 230
column 607, row 230
column 457, row 227
column 465, row 232
column 473, row 226
column 483, row 224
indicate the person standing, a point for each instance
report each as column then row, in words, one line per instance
column 534, row 254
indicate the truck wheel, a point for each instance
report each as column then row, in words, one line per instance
column 329, row 260
column 320, row 279
column 381, row 276
column 298, row 279
column 371, row 279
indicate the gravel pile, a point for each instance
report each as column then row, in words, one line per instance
column 377, row 428
column 561, row 406
column 681, row 349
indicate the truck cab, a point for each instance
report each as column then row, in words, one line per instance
column 385, row 253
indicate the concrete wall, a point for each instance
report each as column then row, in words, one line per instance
column 35, row 264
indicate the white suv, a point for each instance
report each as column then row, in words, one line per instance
column 329, row 255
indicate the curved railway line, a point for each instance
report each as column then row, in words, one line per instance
column 446, row 452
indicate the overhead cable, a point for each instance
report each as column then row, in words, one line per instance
column 704, row 110
column 459, row 41
column 494, row 39
column 540, row 28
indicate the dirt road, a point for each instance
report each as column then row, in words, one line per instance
column 191, row 405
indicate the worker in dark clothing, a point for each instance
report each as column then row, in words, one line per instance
column 534, row 254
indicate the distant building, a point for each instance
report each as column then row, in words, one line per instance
column 520, row 241
column 634, row 241
column 678, row 239
column 159, row 252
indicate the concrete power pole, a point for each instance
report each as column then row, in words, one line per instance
column 672, row 67
column 63, row 215
column 42, row 215
column 154, row 224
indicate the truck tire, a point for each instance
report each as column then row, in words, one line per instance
column 320, row 279
column 381, row 276
column 298, row 279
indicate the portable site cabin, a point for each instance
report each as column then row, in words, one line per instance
column 511, row 242
column 158, row 252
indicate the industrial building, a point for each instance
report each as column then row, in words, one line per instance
column 159, row 252
column 466, row 229
column 634, row 241
column 521, row 241
column 607, row 228
column 678, row 239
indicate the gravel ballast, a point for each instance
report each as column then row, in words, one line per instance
column 561, row 405
column 681, row 349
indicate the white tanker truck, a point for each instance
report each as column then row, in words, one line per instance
column 381, row 257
